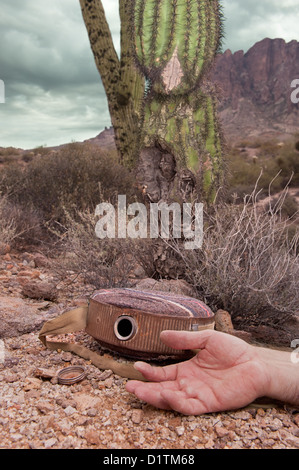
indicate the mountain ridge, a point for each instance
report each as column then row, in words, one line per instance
column 254, row 93
column 255, row 90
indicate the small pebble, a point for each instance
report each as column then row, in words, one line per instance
column 69, row 410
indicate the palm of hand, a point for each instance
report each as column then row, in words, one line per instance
column 223, row 375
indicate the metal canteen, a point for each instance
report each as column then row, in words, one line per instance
column 130, row 321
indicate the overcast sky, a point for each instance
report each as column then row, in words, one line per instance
column 52, row 88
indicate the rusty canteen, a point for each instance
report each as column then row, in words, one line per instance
column 130, row 321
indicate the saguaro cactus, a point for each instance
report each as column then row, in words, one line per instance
column 169, row 131
column 175, row 41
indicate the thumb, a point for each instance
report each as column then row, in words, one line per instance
column 186, row 339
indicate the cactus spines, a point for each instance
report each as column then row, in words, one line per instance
column 188, row 126
column 173, row 36
column 161, row 105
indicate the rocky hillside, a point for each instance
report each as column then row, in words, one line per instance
column 255, row 90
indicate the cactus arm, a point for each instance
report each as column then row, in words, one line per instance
column 101, row 44
column 130, row 90
column 123, row 84
column 131, row 84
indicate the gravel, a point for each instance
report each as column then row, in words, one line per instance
column 36, row 412
column 39, row 413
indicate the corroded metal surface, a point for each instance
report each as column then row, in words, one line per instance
column 71, row 375
column 135, row 331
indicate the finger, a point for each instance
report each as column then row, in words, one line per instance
column 186, row 339
column 148, row 392
column 177, row 401
column 156, row 374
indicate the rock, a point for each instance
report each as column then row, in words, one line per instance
column 85, row 401
column 223, row 321
column 65, row 402
column 221, row 431
column 45, row 373
column 137, row 416
column 69, row 410
column 244, row 415
column 138, row 272
column 41, row 261
column 32, row 383
column 67, row 356
column 180, row 430
column 92, row 412
column 18, row 317
column 105, row 374
column 108, row 382
column 11, row 378
column 275, row 424
column 50, row 443
column 92, row 437
column 16, row 437
column 44, row 408
column 4, row 248
column 40, row 290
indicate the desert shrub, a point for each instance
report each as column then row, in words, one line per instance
column 41, row 150
column 27, row 157
column 275, row 163
column 247, row 173
column 29, row 225
column 288, row 163
column 289, row 207
column 7, row 225
column 19, row 225
column 269, row 149
column 8, row 151
column 75, row 178
column 101, row 263
column 248, row 264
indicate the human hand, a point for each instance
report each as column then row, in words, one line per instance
column 226, row 373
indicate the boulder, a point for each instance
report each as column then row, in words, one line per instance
column 18, row 317
column 40, row 290
column 223, row 321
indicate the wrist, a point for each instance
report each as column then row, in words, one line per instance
column 281, row 375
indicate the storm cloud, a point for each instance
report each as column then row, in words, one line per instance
column 53, row 92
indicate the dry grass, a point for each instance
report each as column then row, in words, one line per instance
column 102, row 263
column 19, row 225
column 7, row 225
column 248, row 264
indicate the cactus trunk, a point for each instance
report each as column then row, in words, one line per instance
column 170, row 133
column 175, row 43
